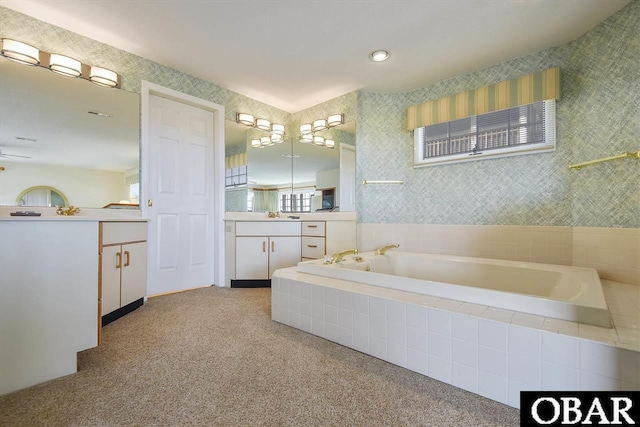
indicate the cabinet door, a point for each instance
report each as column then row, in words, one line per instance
column 252, row 258
column 110, row 275
column 134, row 272
column 283, row 252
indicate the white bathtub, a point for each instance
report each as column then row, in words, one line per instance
column 568, row 293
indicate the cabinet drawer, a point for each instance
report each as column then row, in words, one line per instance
column 313, row 228
column 263, row 228
column 312, row 247
column 122, row 232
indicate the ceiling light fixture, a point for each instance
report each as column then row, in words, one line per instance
column 329, row 143
column 318, row 140
column 379, row 55
column 60, row 64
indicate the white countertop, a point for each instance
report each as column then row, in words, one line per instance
column 85, row 214
column 314, row 216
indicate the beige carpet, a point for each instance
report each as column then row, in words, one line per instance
column 213, row 357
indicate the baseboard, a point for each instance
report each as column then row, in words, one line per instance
column 115, row 315
column 262, row 283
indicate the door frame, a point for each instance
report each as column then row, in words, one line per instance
column 149, row 89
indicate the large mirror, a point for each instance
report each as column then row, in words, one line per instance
column 69, row 134
column 291, row 176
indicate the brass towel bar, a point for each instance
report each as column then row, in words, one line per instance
column 634, row 155
column 368, row 181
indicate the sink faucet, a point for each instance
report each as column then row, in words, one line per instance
column 384, row 249
column 67, row 211
column 337, row 257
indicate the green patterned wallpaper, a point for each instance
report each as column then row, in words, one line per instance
column 597, row 116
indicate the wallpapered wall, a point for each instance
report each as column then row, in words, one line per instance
column 598, row 116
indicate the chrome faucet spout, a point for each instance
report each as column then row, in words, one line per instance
column 383, row 250
column 338, row 256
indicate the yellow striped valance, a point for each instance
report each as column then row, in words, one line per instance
column 506, row 94
column 235, row 160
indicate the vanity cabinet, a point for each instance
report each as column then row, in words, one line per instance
column 320, row 238
column 122, row 268
column 263, row 247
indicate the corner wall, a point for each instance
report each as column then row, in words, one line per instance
column 596, row 117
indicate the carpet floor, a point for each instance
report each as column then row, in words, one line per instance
column 213, row 357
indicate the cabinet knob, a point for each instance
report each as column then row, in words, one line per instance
column 149, row 202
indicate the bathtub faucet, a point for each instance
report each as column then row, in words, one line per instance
column 383, row 250
column 337, row 257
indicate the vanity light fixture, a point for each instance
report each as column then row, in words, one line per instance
column 306, row 129
column 306, row 138
column 335, row 120
column 319, row 125
column 61, row 64
column 379, row 55
column 277, row 129
column 103, row 77
column 20, row 52
column 263, row 124
column 322, row 124
column 64, row 65
column 245, row 119
column 266, row 140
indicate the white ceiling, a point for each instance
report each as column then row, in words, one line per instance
column 295, row 54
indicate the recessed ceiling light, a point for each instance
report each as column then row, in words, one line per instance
column 379, row 55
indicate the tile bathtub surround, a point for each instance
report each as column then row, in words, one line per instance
column 466, row 345
column 614, row 252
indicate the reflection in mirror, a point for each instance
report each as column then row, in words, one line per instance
column 67, row 133
column 291, row 176
column 268, row 170
column 324, row 178
column 42, row 196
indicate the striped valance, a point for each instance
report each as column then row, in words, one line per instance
column 499, row 96
column 235, row 160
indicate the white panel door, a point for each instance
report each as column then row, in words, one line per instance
column 181, row 192
column 252, row 258
column 284, row 252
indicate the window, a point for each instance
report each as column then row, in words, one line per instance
column 296, row 202
column 235, row 177
column 518, row 130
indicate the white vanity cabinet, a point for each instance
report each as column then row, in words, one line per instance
column 320, row 238
column 123, row 268
column 261, row 247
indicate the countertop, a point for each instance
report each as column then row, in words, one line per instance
column 313, row 216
